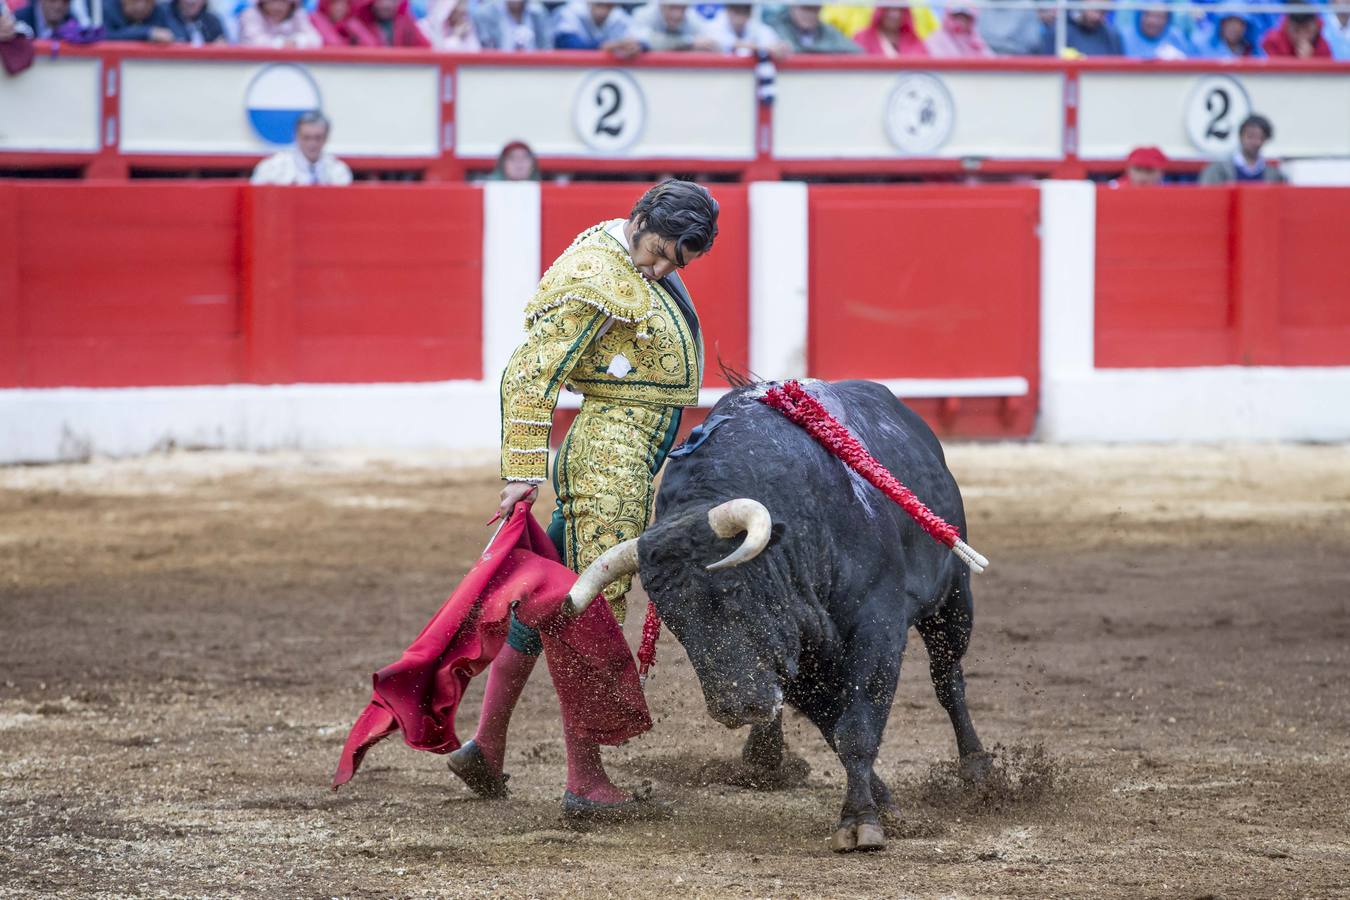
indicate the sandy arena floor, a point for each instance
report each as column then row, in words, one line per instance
column 1162, row 650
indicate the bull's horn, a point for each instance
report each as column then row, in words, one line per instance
column 609, row 567
column 730, row 519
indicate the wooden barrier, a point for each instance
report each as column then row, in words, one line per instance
column 167, row 284
column 928, row 283
column 1231, row 276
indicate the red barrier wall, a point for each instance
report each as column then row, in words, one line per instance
column 1230, row 276
column 928, row 283
column 111, row 286
column 375, row 285
column 719, row 282
column 220, row 283
column 1311, row 227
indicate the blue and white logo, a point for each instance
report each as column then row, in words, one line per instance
column 276, row 97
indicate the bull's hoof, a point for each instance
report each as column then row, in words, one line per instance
column 870, row 837
column 975, row 768
column 862, row 837
column 844, row 839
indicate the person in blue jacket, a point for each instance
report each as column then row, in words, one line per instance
column 1152, row 34
column 192, row 23
column 595, row 26
column 1087, row 33
column 1227, row 35
column 136, row 20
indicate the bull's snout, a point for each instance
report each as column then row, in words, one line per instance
column 733, row 710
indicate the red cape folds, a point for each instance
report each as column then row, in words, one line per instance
column 588, row 658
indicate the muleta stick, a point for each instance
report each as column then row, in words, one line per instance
column 792, row 400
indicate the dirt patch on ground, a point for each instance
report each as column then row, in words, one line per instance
column 1161, row 650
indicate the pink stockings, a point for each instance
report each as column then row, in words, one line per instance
column 506, row 679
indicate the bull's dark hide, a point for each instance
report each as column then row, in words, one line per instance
column 819, row 620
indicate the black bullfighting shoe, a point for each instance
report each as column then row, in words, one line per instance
column 637, row 808
column 469, row 763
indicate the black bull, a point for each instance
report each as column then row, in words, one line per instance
column 818, row 620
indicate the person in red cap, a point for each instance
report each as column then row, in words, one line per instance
column 1144, row 166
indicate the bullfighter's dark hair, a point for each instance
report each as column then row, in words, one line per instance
column 1261, row 122
column 679, row 211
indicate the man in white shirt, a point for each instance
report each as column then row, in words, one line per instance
column 305, row 162
column 738, row 28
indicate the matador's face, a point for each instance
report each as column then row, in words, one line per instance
column 653, row 255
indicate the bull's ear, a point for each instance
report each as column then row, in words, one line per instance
column 775, row 533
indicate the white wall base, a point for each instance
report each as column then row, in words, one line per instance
column 75, row 423
column 1231, row 403
column 62, row 424
column 1126, row 405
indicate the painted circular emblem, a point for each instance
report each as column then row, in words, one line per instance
column 609, row 111
column 1214, row 112
column 276, row 97
column 920, row 114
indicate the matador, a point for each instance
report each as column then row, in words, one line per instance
column 612, row 321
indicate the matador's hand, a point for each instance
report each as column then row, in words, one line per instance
column 513, row 493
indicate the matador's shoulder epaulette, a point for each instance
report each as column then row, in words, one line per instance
column 596, row 271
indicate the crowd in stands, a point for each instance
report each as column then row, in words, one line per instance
column 917, row 30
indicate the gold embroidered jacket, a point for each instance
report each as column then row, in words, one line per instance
column 600, row 328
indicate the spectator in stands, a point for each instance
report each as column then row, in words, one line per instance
column 596, row 26
column 513, row 25
column 738, row 30
column 1087, row 33
column 336, row 25
column 16, row 42
column 1143, row 168
column 277, row 23
column 228, row 12
column 136, row 20
column 393, row 24
column 667, row 26
column 1247, row 164
column 192, row 23
column 449, row 26
column 1336, row 32
column 852, row 19
column 1299, row 36
column 1226, row 35
column 957, row 37
column 802, row 30
column 516, row 162
column 44, row 17
column 1152, row 34
column 1011, row 32
column 892, row 33
column 304, row 162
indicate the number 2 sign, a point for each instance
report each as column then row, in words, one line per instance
column 609, row 111
column 1215, row 110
